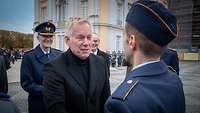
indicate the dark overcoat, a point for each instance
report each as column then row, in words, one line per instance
column 65, row 90
column 31, row 76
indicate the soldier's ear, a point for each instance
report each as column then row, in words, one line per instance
column 132, row 43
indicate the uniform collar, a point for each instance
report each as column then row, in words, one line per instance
column 45, row 51
column 40, row 52
column 149, row 69
column 143, row 64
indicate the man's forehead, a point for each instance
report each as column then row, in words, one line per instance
column 83, row 33
column 80, row 25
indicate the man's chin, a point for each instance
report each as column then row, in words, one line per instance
column 47, row 45
column 85, row 56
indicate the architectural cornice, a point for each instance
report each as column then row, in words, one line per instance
column 108, row 25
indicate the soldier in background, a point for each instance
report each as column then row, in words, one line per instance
column 32, row 66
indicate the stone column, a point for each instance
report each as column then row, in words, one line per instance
column 36, row 10
column 57, row 11
column 125, row 11
column 54, row 10
column 49, row 10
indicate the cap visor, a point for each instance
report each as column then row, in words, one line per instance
column 47, row 34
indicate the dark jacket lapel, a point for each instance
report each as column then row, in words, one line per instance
column 93, row 74
column 40, row 55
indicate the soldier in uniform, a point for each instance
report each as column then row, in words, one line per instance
column 32, row 65
column 150, row 86
column 170, row 57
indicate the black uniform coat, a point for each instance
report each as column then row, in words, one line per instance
column 31, row 76
column 65, row 90
column 105, row 56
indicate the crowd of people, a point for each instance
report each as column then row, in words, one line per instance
column 11, row 55
column 77, row 80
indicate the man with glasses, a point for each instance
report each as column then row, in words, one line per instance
column 32, row 65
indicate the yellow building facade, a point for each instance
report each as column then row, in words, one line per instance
column 106, row 16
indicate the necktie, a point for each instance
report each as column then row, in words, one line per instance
column 47, row 55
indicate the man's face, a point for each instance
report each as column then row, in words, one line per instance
column 45, row 40
column 128, row 52
column 80, row 41
column 95, row 42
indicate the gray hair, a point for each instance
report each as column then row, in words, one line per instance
column 69, row 31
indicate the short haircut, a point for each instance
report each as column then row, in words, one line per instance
column 147, row 47
column 69, row 31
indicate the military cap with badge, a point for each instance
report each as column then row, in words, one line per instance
column 45, row 29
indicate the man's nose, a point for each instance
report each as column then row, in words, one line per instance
column 87, row 42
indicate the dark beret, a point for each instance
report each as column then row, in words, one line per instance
column 153, row 20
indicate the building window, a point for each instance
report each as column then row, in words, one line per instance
column 118, row 38
column 84, row 8
column 61, row 10
column 119, row 14
column 43, row 14
column 95, row 7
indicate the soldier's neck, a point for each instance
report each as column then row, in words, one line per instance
column 45, row 49
column 139, row 58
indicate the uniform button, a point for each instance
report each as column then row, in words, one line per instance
column 129, row 81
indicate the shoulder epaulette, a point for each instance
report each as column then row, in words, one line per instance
column 172, row 49
column 28, row 51
column 172, row 69
column 124, row 89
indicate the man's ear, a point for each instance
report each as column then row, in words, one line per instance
column 132, row 43
column 66, row 39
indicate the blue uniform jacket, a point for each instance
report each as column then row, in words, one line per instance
column 170, row 57
column 31, row 71
column 152, row 88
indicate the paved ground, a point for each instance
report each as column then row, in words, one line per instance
column 190, row 75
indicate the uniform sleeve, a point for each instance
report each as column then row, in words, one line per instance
column 26, row 77
column 116, row 106
column 54, row 95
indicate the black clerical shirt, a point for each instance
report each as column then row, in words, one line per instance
column 84, row 68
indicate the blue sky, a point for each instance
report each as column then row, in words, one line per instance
column 17, row 15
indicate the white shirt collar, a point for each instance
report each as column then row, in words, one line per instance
column 143, row 64
column 45, row 51
column 95, row 53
